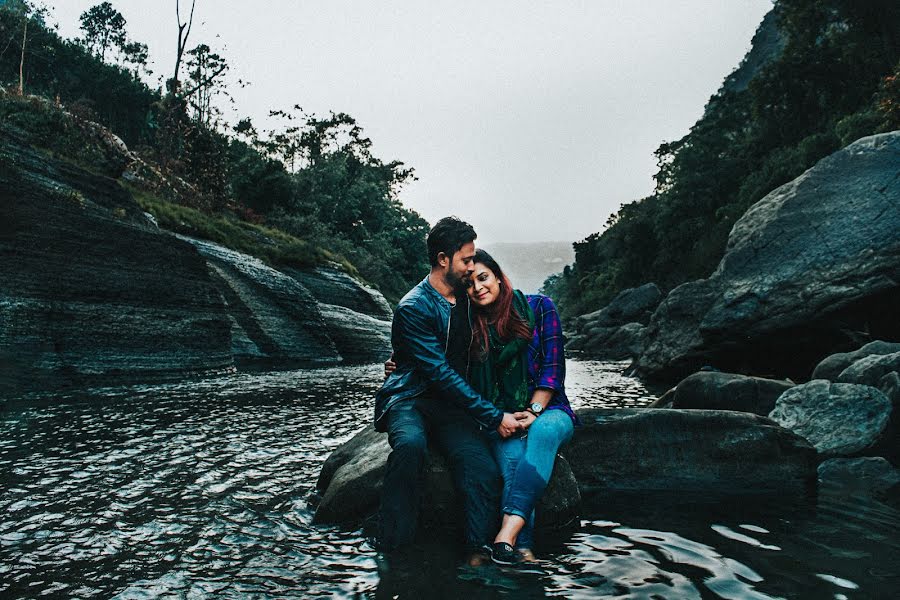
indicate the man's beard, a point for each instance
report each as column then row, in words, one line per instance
column 454, row 281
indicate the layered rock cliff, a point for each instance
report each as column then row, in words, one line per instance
column 93, row 292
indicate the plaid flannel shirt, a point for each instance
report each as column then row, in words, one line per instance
column 546, row 357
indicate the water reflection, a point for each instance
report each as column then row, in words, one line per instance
column 198, row 489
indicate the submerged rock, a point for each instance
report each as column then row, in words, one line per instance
column 615, row 450
column 822, row 245
column 871, row 474
column 729, row 391
column 349, row 485
column 690, row 450
column 839, row 419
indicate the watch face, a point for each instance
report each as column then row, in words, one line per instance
column 537, row 407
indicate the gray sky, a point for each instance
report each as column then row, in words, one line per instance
column 532, row 120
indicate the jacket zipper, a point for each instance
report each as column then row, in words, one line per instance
column 471, row 337
column 447, row 337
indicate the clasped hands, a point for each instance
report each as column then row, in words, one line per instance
column 511, row 424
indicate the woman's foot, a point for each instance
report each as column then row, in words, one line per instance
column 504, row 554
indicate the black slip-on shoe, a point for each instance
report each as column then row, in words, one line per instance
column 504, row 554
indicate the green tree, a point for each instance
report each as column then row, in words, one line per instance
column 103, row 28
column 206, row 72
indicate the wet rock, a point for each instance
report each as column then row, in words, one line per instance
column 614, row 343
column 874, row 370
column 330, row 285
column 272, row 309
column 616, row 331
column 889, row 385
column 664, row 401
column 871, row 474
column 822, row 245
column 839, row 419
column 631, row 305
column 626, row 342
column 729, row 391
column 832, row 366
column 276, row 318
column 350, row 483
column 695, row 450
column 674, row 344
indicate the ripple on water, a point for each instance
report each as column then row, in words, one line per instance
column 198, row 489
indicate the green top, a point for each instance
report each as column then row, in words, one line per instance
column 502, row 377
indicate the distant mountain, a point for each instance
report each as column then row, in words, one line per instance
column 528, row 264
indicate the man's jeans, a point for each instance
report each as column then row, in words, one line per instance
column 476, row 476
column 527, row 463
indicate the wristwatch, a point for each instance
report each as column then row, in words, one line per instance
column 536, row 408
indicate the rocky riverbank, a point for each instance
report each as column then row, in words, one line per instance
column 615, row 450
column 807, row 292
column 811, row 269
column 715, row 434
column 94, row 292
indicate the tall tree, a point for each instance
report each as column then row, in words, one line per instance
column 104, row 29
column 24, row 12
column 206, row 70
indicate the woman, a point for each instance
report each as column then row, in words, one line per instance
column 518, row 364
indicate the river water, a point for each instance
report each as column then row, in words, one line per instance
column 198, row 489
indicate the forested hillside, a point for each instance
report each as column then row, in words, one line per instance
column 822, row 73
column 311, row 186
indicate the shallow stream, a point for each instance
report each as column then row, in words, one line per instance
column 198, row 489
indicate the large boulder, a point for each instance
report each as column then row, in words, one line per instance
column 832, row 366
column 713, row 390
column 631, row 305
column 878, row 371
column 821, row 246
column 616, row 331
column 612, row 343
column 614, row 450
column 839, row 419
column 349, row 486
column 690, row 450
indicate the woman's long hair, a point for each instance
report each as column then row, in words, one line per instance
column 499, row 313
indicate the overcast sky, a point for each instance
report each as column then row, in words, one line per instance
column 532, row 120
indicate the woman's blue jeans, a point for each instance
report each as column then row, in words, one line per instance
column 527, row 463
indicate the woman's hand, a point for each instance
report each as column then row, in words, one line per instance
column 526, row 418
column 389, row 366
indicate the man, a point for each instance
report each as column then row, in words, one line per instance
column 427, row 397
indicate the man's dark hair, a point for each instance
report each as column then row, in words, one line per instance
column 448, row 235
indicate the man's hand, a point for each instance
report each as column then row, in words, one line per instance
column 389, row 366
column 526, row 418
column 509, row 425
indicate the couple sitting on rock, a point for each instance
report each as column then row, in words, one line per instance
column 477, row 369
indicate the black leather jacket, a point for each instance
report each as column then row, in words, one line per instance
column 419, row 339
